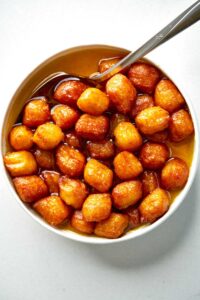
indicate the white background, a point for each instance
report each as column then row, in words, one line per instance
column 37, row 264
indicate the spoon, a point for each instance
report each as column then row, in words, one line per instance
column 180, row 23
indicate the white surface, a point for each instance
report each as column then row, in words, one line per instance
column 36, row 264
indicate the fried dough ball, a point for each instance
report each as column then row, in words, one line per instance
column 70, row 161
column 154, row 205
column 45, row 159
column 36, row 112
column 20, row 163
column 64, row 116
column 149, row 182
column 72, row 140
column 79, row 223
column 98, row 175
column 159, row 137
column 152, row 120
column 72, row 191
column 127, row 165
column 107, row 63
column 92, row 128
column 134, row 217
column 21, row 138
column 68, row 92
column 121, row 92
column 153, row 155
column 180, row 126
column 97, row 207
column 127, row 136
column 142, row 102
column 113, row 227
column 168, row 96
column 175, row 174
column 47, row 136
column 53, row 210
column 93, row 101
column 30, row 188
column 115, row 120
column 51, row 179
column 127, row 193
column 144, row 77
column 101, row 150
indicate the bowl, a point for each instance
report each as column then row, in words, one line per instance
column 73, row 60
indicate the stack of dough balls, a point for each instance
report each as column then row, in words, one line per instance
column 99, row 159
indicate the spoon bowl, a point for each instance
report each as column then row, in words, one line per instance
column 53, row 79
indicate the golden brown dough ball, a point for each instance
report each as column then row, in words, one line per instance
column 153, row 155
column 20, row 163
column 149, row 182
column 70, row 161
column 72, row 191
column 144, row 77
column 142, row 102
column 93, row 101
column 92, row 128
column 152, row 120
column 68, row 92
column 107, row 63
column 159, row 137
column 97, row 207
column 180, row 126
column 113, row 227
column 78, row 223
column 127, row 193
column 101, row 150
column 64, row 116
column 36, row 112
column 51, row 179
column 154, row 205
column 53, row 210
column 47, row 136
column 98, row 175
column 168, row 96
column 127, row 136
column 30, row 188
column 134, row 217
column 175, row 174
column 121, row 92
column 115, row 120
column 73, row 140
column 21, row 137
column 127, row 165
column 45, row 159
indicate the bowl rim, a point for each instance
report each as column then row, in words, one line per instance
column 133, row 233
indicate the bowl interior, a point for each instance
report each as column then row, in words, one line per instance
column 81, row 60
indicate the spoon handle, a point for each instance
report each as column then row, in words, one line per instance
column 183, row 21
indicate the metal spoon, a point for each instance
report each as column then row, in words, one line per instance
column 180, row 23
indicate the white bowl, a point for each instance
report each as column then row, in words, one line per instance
column 85, row 56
